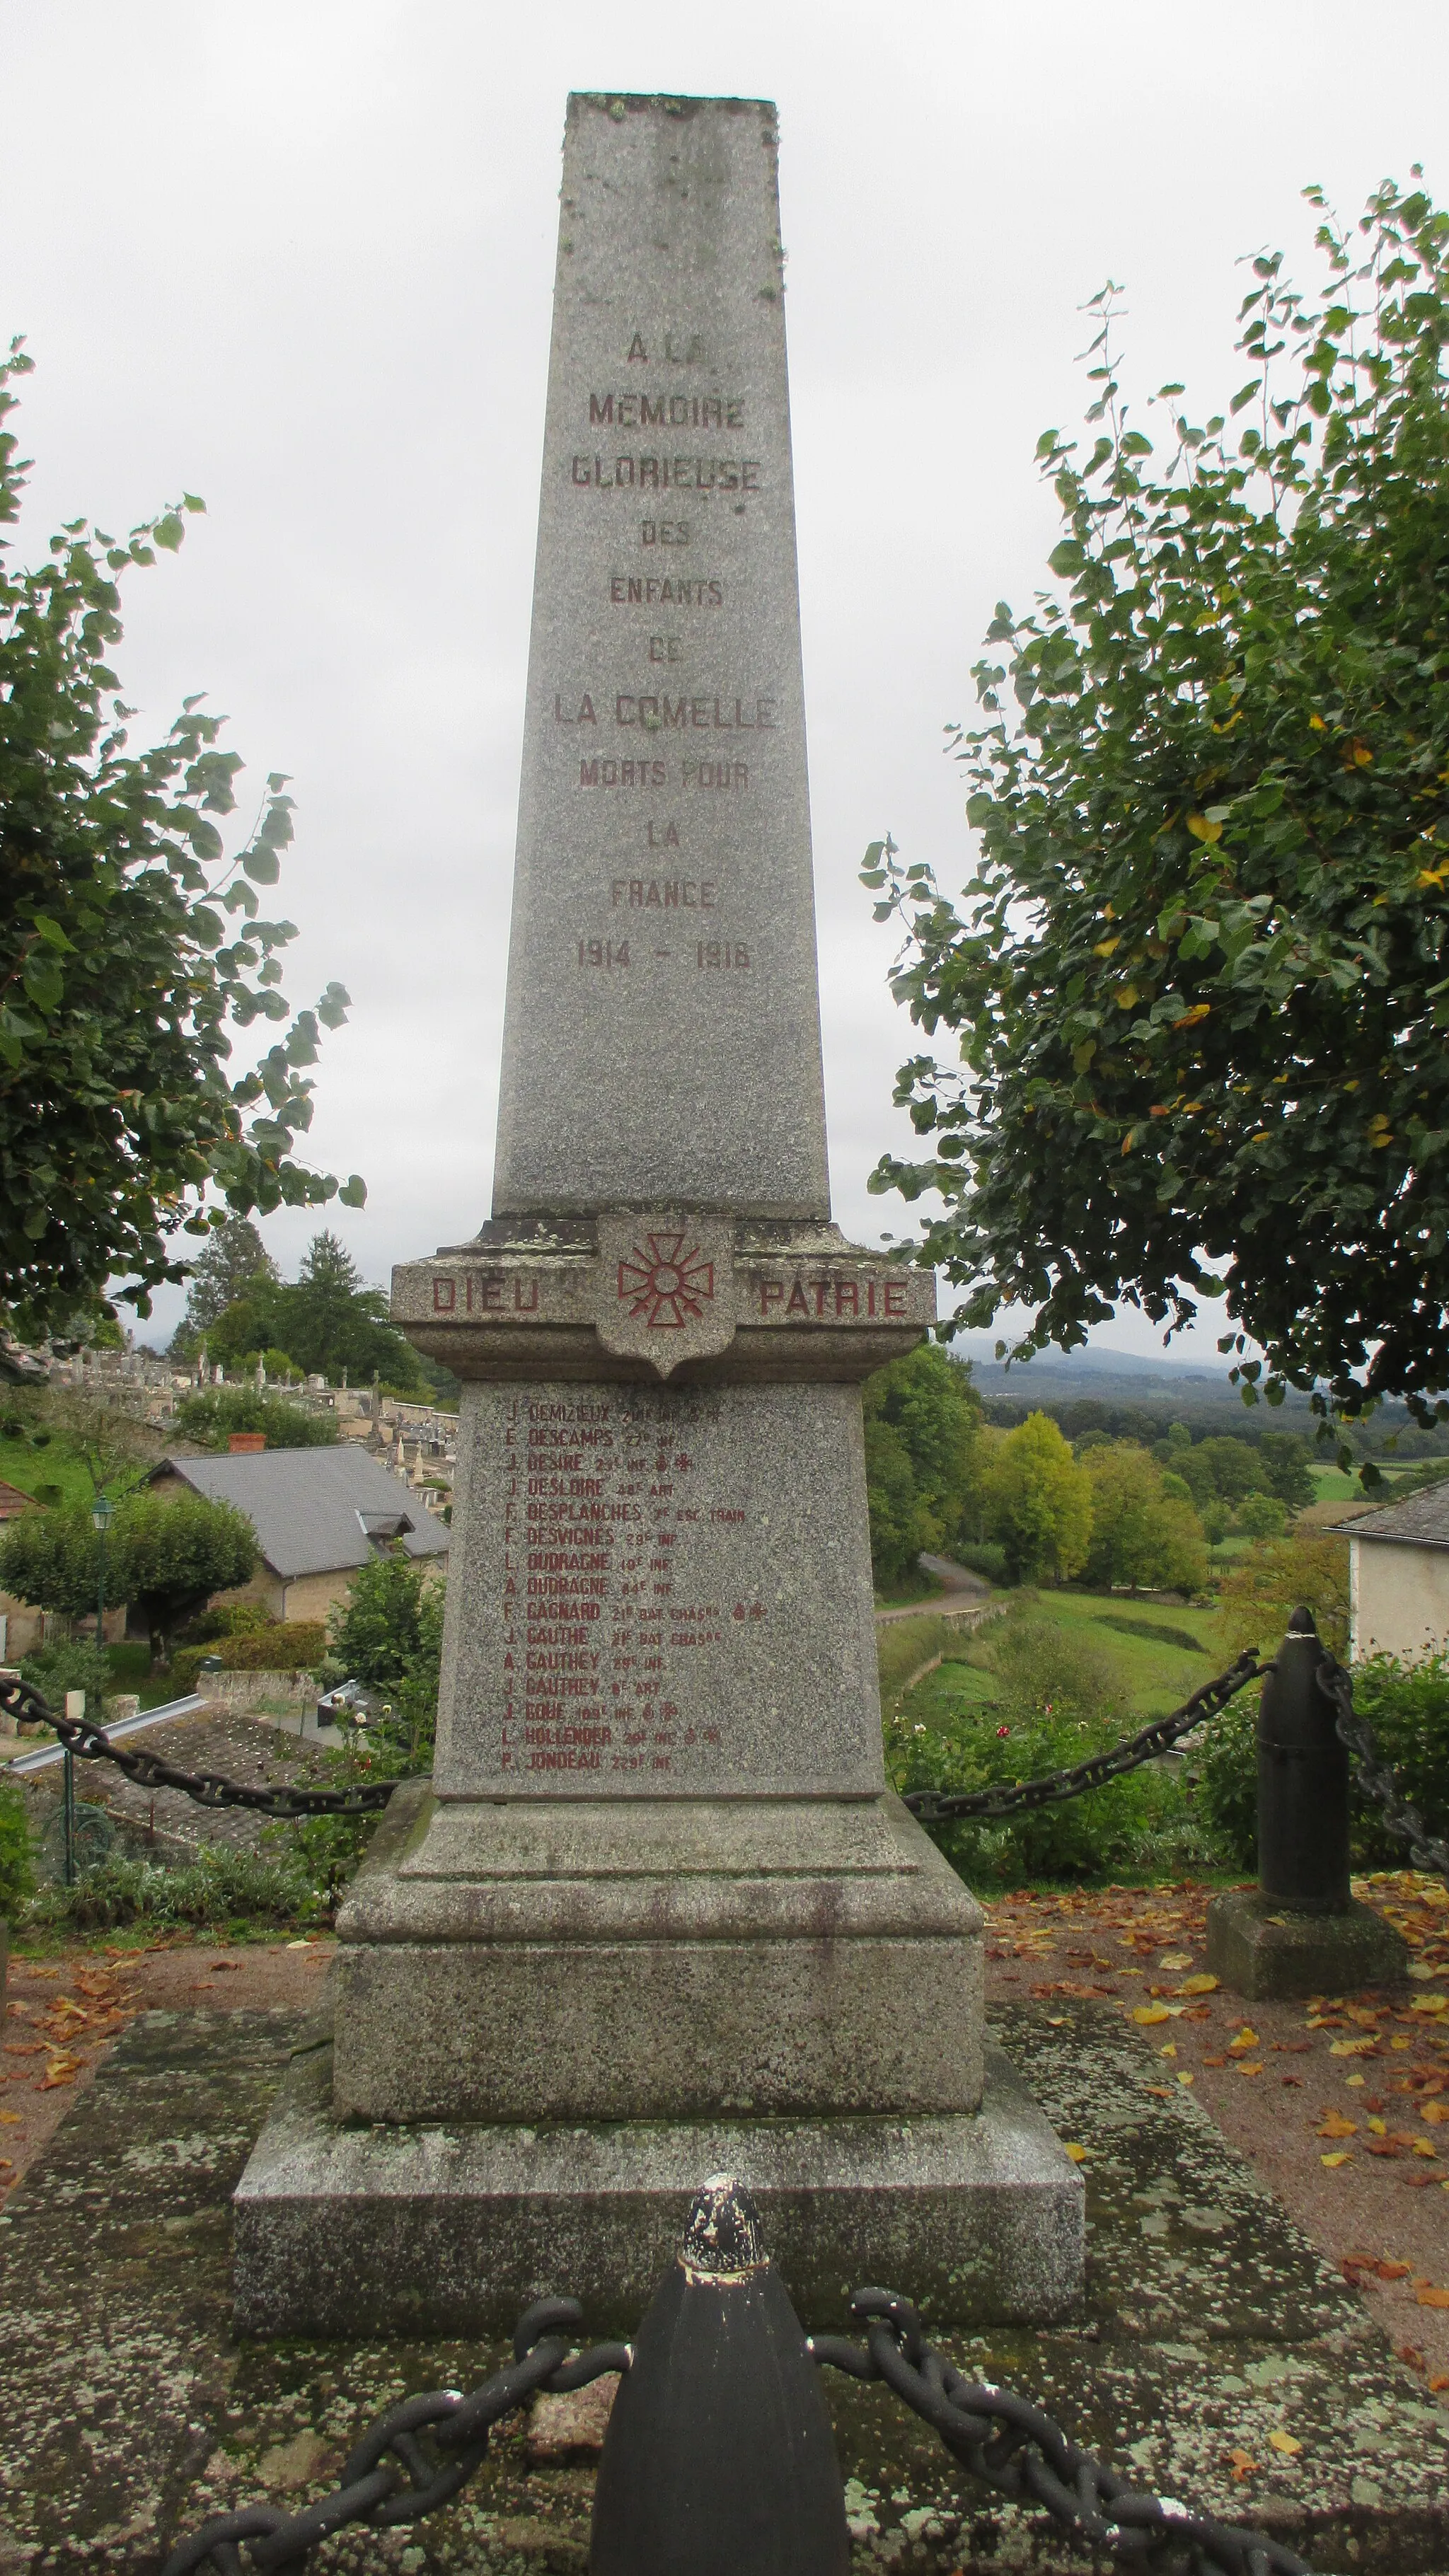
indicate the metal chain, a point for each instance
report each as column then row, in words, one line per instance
column 1355, row 1732
column 1012, row 2446
column 208, row 1788
column 435, row 2441
column 934, row 1806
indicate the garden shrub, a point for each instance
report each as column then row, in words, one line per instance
column 983, row 1559
column 73, row 1665
column 221, row 1887
column 1227, row 1777
column 1059, row 1703
column 282, row 1646
column 1407, row 1706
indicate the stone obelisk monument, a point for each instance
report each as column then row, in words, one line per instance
column 656, row 1913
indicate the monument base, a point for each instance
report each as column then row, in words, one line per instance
column 1262, row 1951
column 342, row 2229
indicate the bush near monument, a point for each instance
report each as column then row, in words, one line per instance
column 283, row 1646
column 1199, row 973
column 136, row 951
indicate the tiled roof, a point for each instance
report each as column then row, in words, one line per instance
column 1420, row 1520
column 309, row 1507
column 12, row 1502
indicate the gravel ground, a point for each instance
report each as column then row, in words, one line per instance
column 1340, row 2106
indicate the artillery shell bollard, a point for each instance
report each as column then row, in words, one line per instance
column 1300, row 1931
column 719, row 2459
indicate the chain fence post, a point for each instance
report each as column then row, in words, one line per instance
column 75, row 1706
column 719, row 2456
column 1300, row 1931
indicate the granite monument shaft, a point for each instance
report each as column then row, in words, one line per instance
column 656, row 1898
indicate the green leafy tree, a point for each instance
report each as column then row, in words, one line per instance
column 1287, row 1463
column 1262, row 1516
column 900, row 1521
column 389, row 1633
column 211, row 1417
column 168, row 1555
column 1221, row 1467
column 1039, row 1501
column 132, row 948
column 1141, row 1535
column 1201, row 973
column 922, row 1418
column 327, row 1320
column 50, row 1559
column 234, row 1260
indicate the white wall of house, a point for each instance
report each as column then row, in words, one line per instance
column 1398, row 1599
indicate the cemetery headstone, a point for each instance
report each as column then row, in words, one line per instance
column 656, row 1913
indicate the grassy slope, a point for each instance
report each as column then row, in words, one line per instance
column 1155, row 1678
column 25, row 1468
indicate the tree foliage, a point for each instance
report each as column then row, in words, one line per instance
column 1039, row 1501
column 921, row 1423
column 1141, row 1535
column 132, row 948
column 166, row 1556
column 232, row 1262
column 1201, row 972
column 210, row 1417
column 326, row 1320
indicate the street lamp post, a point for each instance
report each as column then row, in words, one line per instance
column 100, row 1523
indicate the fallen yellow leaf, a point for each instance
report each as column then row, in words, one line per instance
column 1184, row 2078
column 1340, row 2157
column 1250, row 2067
column 1078, row 2154
column 1336, row 2126
column 1436, row 2111
column 1429, row 2003
column 1242, row 2462
column 1203, row 1985
column 1246, row 2039
column 1147, row 2013
column 1350, row 2047
column 1379, row 2128
column 1430, row 2298
column 1423, row 2148
column 11, row 2119
column 1285, row 2443
column 1175, row 1959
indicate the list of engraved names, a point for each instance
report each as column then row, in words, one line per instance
column 613, row 1612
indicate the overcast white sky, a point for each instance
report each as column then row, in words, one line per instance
column 298, row 258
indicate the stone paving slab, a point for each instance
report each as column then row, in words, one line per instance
column 1210, row 2322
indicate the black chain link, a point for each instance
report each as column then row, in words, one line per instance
column 934, row 1806
column 208, row 1788
column 1012, row 2446
column 435, row 2443
column 1354, row 1731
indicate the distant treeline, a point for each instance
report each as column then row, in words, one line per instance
column 1387, row 1433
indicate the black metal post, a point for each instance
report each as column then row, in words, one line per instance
column 1302, row 1782
column 101, row 1594
column 68, row 1815
column 719, row 2459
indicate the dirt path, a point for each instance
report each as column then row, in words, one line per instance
column 960, row 1590
column 1341, row 2108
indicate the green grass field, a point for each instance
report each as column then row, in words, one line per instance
column 28, row 1469
column 1155, row 1667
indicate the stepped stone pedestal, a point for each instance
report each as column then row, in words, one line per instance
column 657, row 1913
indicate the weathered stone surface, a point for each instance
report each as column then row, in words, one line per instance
column 1261, row 1950
column 434, row 2229
column 659, row 1593
column 132, row 2411
column 541, row 1960
column 555, row 1299
column 661, row 1042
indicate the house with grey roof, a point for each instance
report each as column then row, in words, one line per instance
column 318, row 1514
column 1398, row 1577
